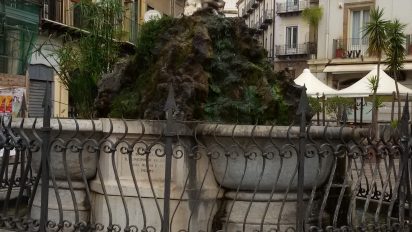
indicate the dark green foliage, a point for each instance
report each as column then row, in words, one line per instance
column 216, row 67
column 395, row 51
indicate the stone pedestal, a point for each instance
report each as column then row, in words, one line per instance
column 251, row 159
column 194, row 192
column 278, row 214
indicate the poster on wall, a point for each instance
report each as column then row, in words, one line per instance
column 11, row 101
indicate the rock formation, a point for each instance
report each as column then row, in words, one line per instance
column 216, row 66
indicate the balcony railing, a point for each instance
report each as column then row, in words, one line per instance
column 291, row 7
column 268, row 16
column 350, row 48
column 244, row 13
column 262, row 24
column 409, row 44
column 249, row 8
column 292, row 49
column 254, row 3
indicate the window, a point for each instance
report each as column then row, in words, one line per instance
column 291, row 37
column 292, row 5
column 359, row 18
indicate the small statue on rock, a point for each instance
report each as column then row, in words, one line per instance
column 194, row 5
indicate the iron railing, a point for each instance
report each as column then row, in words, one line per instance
column 290, row 50
column 249, row 8
column 254, row 3
column 137, row 175
column 350, row 48
column 268, row 16
column 291, row 7
column 408, row 44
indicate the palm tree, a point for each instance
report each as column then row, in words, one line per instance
column 375, row 30
column 395, row 53
column 313, row 15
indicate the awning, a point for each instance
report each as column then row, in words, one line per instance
column 347, row 68
column 314, row 87
column 350, row 68
column 362, row 87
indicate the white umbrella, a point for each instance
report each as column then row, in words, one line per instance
column 314, row 87
column 362, row 88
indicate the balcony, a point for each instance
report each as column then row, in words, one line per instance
column 291, row 8
column 262, row 24
column 292, row 50
column 249, row 8
column 350, row 48
column 22, row 11
column 244, row 13
column 256, row 27
column 254, row 4
column 268, row 16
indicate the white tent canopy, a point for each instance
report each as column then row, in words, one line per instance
column 362, row 87
column 314, row 87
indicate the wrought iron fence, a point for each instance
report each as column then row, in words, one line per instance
column 137, row 175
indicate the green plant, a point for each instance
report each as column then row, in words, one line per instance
column 83, row 60
column 334, row 106
column 395, row 53
column 216, row 67
column 315, row 104
column 394, row 124
column 313, row 15
column 376, row 31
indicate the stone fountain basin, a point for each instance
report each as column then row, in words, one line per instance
column 237, row 153
column 65, row 135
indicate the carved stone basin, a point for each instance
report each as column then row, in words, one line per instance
column 249, row 157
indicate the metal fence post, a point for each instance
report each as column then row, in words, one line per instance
column 45, row 153
column 303, row 109
column 404, row 188
column 170, row 106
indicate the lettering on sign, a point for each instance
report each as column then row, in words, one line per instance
column 353, row 53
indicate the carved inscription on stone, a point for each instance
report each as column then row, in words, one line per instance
column 143, row 164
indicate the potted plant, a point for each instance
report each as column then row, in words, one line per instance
column 340, row 51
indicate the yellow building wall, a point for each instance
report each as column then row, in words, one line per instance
column 61, row 99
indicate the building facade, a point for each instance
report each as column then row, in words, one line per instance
column 19, row 23
column 28, row 55
column 230, row 9
column 282, row 31
column 342, row 56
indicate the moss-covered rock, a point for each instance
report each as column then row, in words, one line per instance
column 217, row 68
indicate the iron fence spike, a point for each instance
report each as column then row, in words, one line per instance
column 344, row 116
column 405, row 118
column 23, row 108
column 170, row 102
column 47, row 95
column 303, row 107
